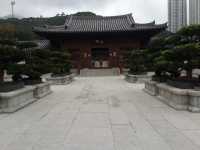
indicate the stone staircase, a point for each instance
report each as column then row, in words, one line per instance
column 99, row 72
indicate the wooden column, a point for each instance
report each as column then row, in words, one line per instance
column 111, row 58
column 115, row 57
column 89, row 58
column 120, row 61
column 86, row 58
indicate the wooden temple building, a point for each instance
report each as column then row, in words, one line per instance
column 97, row 42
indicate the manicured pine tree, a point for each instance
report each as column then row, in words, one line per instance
column 37, row 62
column 175, row 53
column 60, row 62
column 10, row 55
column 137, row 62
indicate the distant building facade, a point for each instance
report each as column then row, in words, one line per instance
column 177, row 14
column 194, row 11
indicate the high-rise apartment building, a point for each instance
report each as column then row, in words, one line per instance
column 194, row 11
column 177, row 14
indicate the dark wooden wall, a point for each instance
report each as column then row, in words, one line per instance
column 80, row 50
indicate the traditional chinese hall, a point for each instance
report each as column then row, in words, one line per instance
column 97, row 42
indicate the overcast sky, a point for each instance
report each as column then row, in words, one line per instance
column 142, row 10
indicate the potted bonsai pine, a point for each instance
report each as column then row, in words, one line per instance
column 10, row 56
column 13, row 94
column 137, row 67
column 60, row 67
column 36, row 64
column 174, row 60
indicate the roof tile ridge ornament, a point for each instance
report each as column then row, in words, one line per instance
column 67, row 24
column 130, row 18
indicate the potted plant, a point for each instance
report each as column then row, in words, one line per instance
column 10, row 56
column 13, row 94
column 137, row 67
column 36, row 64
column 174, row 63
column 60, row 67
column 182, row 58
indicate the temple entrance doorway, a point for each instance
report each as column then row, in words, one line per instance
column 100, row 58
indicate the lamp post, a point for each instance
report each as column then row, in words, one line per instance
column 12, row 6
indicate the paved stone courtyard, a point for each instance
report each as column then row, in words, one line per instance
column 102, row 113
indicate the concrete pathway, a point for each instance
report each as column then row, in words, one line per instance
column 103, row 113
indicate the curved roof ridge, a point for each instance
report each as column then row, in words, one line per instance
column 148, row 23
column 163, row 24
column 130, row 18
column 122, row 23
column 114, row 16
column 85, row 17
column 97, row 16
column 53, row 26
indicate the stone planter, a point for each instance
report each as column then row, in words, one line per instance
column 194, row 102
column 180, row 99
column 174, row 97
column 10, row 86
column 136, row 78
column 151, row 88
column 63, row 80
column 125, row 71
column 42, row 90
column 15, row 100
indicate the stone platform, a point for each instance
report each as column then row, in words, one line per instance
column 99, row 72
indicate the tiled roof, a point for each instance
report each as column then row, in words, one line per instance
column 79, row 24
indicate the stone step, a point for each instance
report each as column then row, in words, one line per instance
column 99, row 72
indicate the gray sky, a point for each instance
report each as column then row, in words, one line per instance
column 142, row 10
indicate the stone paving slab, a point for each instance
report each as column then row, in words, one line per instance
column 99, row 113
column 92, row 120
